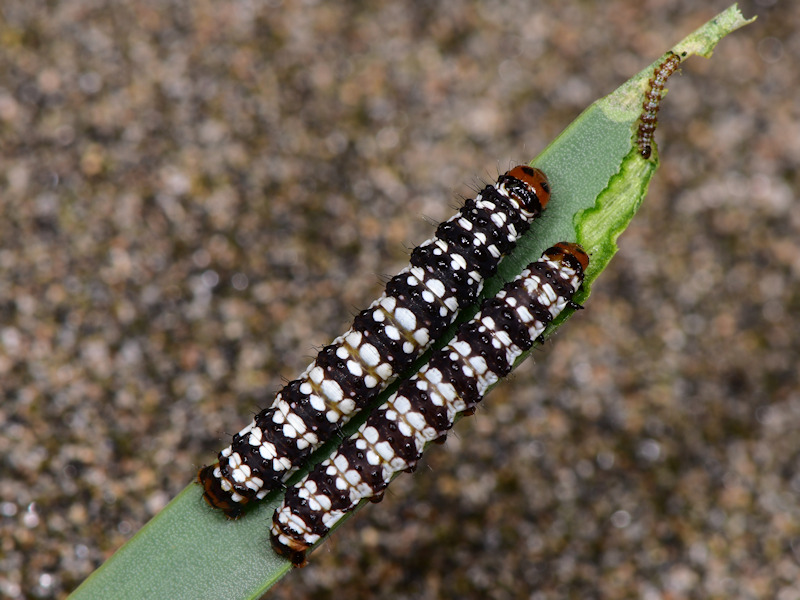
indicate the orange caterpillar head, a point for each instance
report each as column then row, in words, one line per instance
column 535, row 179
column 568, row 249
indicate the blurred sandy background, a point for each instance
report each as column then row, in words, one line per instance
column 195, row 195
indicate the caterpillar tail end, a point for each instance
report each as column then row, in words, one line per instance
column 215, row 496
column 296, row 552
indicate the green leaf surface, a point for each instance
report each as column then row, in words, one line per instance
column 598, row 179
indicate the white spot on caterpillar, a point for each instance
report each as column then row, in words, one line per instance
column 316, row 402
column 332, row 390
column 406, row 319
column 369, row 354
column 354, row 368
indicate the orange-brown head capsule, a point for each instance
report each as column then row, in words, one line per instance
column 569, row 249
column 536, row 179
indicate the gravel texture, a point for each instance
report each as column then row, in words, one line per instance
column 196, row 195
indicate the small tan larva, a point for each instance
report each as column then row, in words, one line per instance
column 652, row 102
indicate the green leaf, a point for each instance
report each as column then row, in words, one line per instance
column 599, row 180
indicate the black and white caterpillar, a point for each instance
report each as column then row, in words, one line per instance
column 648, row 121
column 446, row 274
column 424, row 407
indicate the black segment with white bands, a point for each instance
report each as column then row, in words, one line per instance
column 446, row 274
column 425, row 406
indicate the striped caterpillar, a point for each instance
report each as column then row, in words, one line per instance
column 424, row 407
column 648, row 121
column 446, row 274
